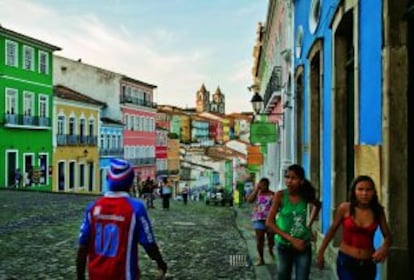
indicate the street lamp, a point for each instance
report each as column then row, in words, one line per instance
column 257, row 102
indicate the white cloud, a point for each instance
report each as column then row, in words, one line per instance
column 178, row 74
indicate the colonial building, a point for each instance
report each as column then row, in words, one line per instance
column 75, row 141
column 345, row 106
column 26, row 84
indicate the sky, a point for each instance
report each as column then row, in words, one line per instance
column 176, row 45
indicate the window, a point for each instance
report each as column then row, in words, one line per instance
column 108, row 141
column 11, row 101
column 43, row 62
column 103, row 145
column 91, row 127
column 72, row 126
column 11, row 53
column 119, row 141
column 81, row 175
column 126, row 122
column 315, row 15
column 82, row 127
column 136, row 123
column 28, row 54
column 28, row 98
column 131, row 123
column 43, row 106
column 61, row 125
column 114, row 142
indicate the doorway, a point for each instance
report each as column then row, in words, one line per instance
column 410, row 157
column 61, row 176
column 71, row 175
column 343, row 108
column 43, row 169
column 315, row 121
column 11, row 165
column 28, row 170
column 91, row 175
column 299, row 90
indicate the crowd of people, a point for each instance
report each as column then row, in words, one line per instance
column 116, row 221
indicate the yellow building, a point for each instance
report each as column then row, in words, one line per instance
column 173, row 156
column 76, row 122
column 185, row 128
column 226, row 130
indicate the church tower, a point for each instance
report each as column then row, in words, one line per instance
column 217, row 105
column 202, row 100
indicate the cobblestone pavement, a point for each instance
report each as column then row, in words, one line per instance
column 38, row 238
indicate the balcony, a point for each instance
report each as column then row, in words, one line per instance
column 75, row 140
column 174, row 172
column 273, row 92
column 111, row 152
column 137, row 101
column 34, row 122
column 142, row 161
column 162, row 172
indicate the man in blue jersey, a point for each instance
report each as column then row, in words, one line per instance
column 112, row 227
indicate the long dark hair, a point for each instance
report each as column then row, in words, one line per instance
column 266, row 181
column 376, row 207
column 306, row 189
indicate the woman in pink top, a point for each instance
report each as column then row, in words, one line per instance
column 262, row 197
column 360, row 218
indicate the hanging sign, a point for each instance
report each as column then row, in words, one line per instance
column 263, row 133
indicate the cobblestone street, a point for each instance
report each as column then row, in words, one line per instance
column 38, row 238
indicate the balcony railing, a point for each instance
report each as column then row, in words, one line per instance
column 137, row 101
column 142, row 161
column 112, row 152
column 274, row 87
column 73, row 140
column 173, row 172
column 162, row 172
column 24, row 120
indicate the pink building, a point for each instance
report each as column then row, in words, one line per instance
column 162, row 128
column 139, row 115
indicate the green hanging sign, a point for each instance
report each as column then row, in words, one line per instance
column 253, row 168
column 263, row 133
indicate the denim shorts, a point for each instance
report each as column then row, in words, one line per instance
column 291, row 259
column 259, row 225
column 349, row 268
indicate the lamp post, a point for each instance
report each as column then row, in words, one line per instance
column 273, row 166
column 257, row 102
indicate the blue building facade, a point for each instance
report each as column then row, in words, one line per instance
column 338, row 80
column 110, row 147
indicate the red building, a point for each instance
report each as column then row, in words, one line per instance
column 162, row 130
column 139, row 115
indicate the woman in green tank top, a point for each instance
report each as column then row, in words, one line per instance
column 289, row 210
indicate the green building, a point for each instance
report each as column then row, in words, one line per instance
column 26, row 87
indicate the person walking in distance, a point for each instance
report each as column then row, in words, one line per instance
column 184, row 193
column 292, row 228
column 166, row 191
column 262, row 197
column 17, row 178
column 360, row 219
column 111, row 229
column 146, row 190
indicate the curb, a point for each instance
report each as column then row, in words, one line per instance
column 263, row 272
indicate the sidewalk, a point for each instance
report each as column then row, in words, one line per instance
column 268, row 271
